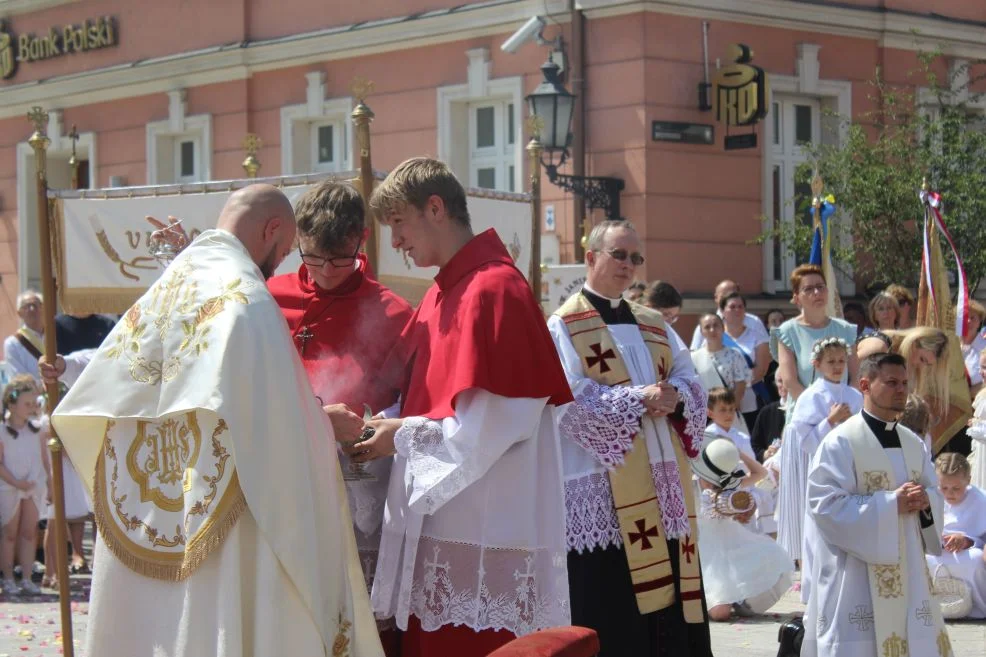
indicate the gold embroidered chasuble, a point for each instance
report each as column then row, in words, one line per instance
column 638, row 508
column 195, row 410
column 888, row 582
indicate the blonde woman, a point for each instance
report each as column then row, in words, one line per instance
column 884, row 313
column 926, row 351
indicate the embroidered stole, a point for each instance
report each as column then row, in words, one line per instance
column 634, row 494
column 888, row 582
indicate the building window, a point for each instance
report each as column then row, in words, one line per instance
column 316, row 135
column 179, row 148
column 187, row 167
column 492, row 145
column 328, row 146
column 796, row 122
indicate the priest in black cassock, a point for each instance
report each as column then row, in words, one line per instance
column 638, row 417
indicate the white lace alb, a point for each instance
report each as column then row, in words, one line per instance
column 422, row 443
column 520, row 591
column 603, row 420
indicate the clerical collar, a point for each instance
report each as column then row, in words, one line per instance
column 482, row 249
column 885, row 432
column 612, row 311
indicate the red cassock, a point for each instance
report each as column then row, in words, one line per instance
column 477, row 327
column 345, row 335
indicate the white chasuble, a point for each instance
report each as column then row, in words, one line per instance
column 858, row 534
column 224, row 528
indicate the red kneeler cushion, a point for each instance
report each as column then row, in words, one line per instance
column 556, row 642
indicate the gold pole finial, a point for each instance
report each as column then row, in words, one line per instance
column 924, row 184
column 39, row 140
column 251, row 144
column 817, row 185
column 73, row 161
column 535, row 124
column 362, row 117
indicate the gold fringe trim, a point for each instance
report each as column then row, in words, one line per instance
column 199, row 548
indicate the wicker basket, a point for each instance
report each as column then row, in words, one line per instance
column 952, row 593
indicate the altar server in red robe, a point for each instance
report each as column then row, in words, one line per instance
column 344, row 323
column 473, row 547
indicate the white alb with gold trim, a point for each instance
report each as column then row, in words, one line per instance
column 223, row 522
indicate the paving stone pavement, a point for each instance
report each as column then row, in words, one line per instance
column 757, row 637
column 30, row 627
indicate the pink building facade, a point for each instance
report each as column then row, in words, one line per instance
column 165, row 92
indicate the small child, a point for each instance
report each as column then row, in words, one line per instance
column 724, row 423
column 964, row 529
column 741, row 569
column 822, row 406
column 917, row 418
column 24, row 481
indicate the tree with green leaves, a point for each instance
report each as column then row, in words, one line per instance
column 876, row 170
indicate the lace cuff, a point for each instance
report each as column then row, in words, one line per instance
column 418, row 436
column 603, row 421
column 694, row 415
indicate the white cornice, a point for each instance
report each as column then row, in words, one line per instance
column 14, row 7
column 236, row 62
column 890, row 29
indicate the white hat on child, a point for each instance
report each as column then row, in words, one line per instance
column 718, row 464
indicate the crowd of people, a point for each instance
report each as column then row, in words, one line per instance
column 445, row 479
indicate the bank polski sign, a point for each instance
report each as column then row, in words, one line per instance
column 90, row 34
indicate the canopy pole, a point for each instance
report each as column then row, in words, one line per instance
column 39, row 142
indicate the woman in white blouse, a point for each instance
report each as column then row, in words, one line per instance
column 718, row 365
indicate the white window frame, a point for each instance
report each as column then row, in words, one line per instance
column 501, row 156
column 339, row 146
column 456, row 121
column 299, row 125
column 834, row 96
column 196, row 142
column 164, row 137
column 27, row 220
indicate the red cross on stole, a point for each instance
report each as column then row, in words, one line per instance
column 643, row 534
column 600, row 358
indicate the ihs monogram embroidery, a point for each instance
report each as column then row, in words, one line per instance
column 895, row 646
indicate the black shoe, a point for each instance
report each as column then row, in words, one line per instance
column 790, row 636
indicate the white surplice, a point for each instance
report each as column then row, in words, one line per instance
column 808, row 426
column 977, row 431
column 591, row 515
column 854, row 529
column 967, row 518
column 473, row 530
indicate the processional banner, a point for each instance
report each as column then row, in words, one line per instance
column 102, row 252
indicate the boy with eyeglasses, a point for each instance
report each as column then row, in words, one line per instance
column 344, row 324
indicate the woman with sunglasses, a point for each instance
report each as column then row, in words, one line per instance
column 793, row 341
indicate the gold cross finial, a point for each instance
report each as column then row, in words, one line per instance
column 39, row 118
column 361, row 88
column 817, row 185
column 74, row 136
column 535, row 124
column 252, row 143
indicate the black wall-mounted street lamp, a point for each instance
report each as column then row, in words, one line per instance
column 554, row 105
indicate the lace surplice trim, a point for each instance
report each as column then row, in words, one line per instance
column 695, row 413
column 421, row 441
column 590, row 514
column 603, row 421
column 520, row 591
